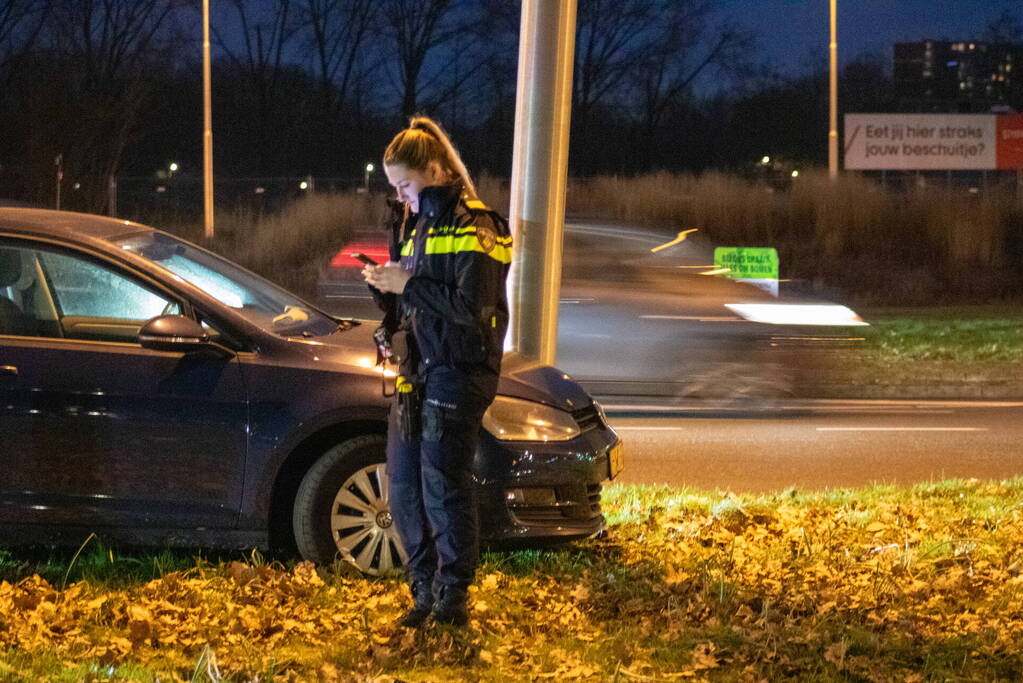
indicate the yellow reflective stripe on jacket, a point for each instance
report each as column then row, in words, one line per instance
column 467, row 241
column 406, row 249
column 471, row 230
column 468, row 230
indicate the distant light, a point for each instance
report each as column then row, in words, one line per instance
column 173, row 167
column 78, row 186
column 795, row 174
column 797, row 314
column 161, row 188
column 974, row 190
column 952, row 64
column 765, row 161
column 260, row 190
column 303, row 185
column 369, row 168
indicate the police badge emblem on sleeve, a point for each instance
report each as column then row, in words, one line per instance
column 487, row 239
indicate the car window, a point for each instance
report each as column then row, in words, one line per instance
column 46, row 293
column 84, row 288
column 261, row 302
column 25, row 307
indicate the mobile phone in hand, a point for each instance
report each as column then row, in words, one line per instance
column 365, row 259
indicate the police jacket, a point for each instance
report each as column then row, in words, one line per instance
column 454, row 307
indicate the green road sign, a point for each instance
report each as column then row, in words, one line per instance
column 748, row 262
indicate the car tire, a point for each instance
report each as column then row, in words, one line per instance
column 341, row 509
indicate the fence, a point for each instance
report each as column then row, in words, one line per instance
column 178, row 200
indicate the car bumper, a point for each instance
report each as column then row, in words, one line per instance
column 540, row 492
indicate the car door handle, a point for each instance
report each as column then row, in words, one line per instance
column 8, row 370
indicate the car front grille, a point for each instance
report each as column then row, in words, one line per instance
column 586, row 506
column 588, row 418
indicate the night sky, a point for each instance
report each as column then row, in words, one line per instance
column 791, row 31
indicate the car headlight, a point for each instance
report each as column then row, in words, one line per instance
column 797, row 314
column 512, row 419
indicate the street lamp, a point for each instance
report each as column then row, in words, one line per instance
column 365, row 179
column 173, row 168
column 207, row 119
column 833, row 100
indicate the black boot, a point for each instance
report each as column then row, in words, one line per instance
column 451, row 606
column 422, row 604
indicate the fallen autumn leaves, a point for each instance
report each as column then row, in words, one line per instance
column 879, row 584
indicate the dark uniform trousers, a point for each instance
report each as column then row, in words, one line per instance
column 431, row 482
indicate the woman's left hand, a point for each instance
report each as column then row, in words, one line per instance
column 390, row 277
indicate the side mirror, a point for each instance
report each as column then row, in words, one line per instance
column 173, row 333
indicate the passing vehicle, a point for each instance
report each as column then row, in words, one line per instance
column 683, row 331
column 154, row 392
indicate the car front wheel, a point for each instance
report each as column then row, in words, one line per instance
column 342, row 509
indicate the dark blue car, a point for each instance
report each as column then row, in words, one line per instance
column 156, row 393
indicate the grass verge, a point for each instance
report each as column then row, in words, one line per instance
column 934, row 352
column 963, row 334
column 884, row 583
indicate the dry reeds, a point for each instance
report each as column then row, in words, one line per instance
column 881, row 246
column 292, row 247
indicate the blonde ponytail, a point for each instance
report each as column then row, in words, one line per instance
column 425, row 141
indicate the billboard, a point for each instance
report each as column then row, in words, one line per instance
column 933, row 142
column 920, row 142
column 1010, row 141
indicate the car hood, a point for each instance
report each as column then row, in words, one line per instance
column 521, row 377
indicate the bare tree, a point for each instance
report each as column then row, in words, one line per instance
column 20, row 24
column 416, row 28
column 338, row 30
column 101, row 51
column 1005, row 28
column 264, row 33
column 108, row 36
column 611, row 38
column 500, row 32
column 682, row 51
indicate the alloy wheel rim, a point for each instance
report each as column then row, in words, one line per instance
column 361, row 524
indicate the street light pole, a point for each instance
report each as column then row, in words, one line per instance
column 543, row 109
column 833, row 105
column 365, row 179
column 207, row 117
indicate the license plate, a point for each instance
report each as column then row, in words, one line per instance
column 615, row 460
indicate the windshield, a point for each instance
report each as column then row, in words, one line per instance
column 264, row 304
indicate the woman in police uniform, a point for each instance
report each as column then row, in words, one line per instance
column 445, row 317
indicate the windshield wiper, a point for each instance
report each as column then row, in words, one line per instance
column 344, row 324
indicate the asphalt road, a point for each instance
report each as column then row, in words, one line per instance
column 821, row 444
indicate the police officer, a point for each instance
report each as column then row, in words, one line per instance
column 445, row 317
